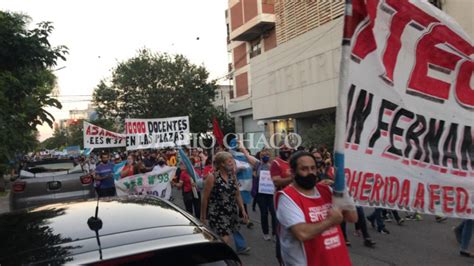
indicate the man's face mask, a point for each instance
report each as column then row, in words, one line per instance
column 306, row 182
column 319, row 163
column 285, row 154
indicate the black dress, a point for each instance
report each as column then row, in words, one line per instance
column 223, row 210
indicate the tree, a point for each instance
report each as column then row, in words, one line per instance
column 154, row 85
column 57, row 141
column 26, row 81
column 321, row 133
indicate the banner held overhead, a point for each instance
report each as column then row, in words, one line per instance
column 406, row 109
column 157, row 133
column 97, row 137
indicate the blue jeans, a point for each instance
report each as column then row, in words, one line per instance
column 377, row 217
column 239, row 241
column 465, row 228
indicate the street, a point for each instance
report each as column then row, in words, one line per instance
column 414, row 243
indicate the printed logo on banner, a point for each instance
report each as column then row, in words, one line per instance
column 409, row 109
column 157, row 133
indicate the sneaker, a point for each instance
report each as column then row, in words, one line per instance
column 440, row 219
column 243, row 251
column 267, row 237
column 401, row 221
column 465, row 254
column 409, row 217
column 274, row 238
column 457, row 234
column 369, row 243
column 348, row 243
column 372, row 221
column 384, row 231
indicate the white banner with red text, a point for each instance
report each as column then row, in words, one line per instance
column 408, row 108
column 157, row 133
column 97, row 137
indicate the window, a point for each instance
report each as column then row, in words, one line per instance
column 255, row 48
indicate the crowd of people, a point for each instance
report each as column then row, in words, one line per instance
column 297, row 212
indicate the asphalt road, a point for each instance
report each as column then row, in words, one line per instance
column 415, row 243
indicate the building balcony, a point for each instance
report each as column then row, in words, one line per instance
column 254, row 28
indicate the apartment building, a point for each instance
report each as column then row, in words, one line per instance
column 285, row 57
column 223, row 95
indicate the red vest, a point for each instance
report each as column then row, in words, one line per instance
column 328, row 248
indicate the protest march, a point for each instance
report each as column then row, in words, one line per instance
column 339, row 133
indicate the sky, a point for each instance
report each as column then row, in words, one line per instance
column 99, row 34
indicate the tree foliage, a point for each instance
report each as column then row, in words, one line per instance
column 321, row 133
column 57, row 141
column 26, row 81
column 73, row 135
column 155, row 85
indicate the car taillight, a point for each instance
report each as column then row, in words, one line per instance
column 86, row 179
column 19, row 186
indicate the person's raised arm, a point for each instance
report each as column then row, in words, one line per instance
column 252, row 160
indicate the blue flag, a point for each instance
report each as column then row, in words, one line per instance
column 190, row 169
column 118, row 168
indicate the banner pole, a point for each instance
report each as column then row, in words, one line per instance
column 341, row 110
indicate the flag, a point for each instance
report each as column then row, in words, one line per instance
column 118, row 167
column 190, row 169
column 217, row 132
column 87, row 151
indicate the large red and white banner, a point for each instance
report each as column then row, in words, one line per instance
column 157, row 133
column 97, row 137
column 406, row 108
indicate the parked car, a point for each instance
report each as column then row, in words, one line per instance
column 50, row 181
column 141, row 230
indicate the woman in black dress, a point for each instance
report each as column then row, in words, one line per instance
column 221, row 198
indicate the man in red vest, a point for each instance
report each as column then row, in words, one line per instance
column 309, row 223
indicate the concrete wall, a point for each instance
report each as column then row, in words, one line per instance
column 463, row 12
column 298, row 76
